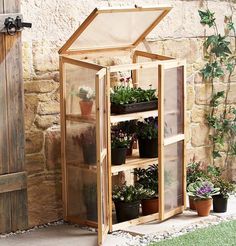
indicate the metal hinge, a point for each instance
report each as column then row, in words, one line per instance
column 12, row 23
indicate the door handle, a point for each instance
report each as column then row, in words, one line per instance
column 12, row 26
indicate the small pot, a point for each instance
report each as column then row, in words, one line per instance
column 203, row 206
column 89, row 153
column 192, row 203
column 220, row 204
column 148, row 148
column 86, row 107
column 150, row 206
column 118, row 156
column 127, row 211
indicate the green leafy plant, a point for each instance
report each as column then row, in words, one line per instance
column 147, row 128
column 195, row 171
column 148, row 178
column 226, row 188
column 87, row 137
column 119, row 138
column 130, row 193
column 202, row 189
column 126, row 95
column 220, row 64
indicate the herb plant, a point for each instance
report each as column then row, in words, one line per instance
column 147, row 128
column 226, row 188
column 130, row 193
column 126, row 95
column 119, row 138
column 148, row 178
column 87, row 137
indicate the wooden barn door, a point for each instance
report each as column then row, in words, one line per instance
column 13, row 183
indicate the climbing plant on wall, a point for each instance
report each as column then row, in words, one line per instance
column 220, row 56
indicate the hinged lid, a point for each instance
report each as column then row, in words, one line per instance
column 115, row 28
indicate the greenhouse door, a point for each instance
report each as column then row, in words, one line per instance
column 13, row 178
column 102, row 168
column 172, row 140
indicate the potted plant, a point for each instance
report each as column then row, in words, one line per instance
column 87, row 141
column 195, row 171
column 119, row 143
column 90, row 200
column 220, row 201
column 130, row 128
column 125, row 99
column 147, row 134
column 87, row 95
column 127, row 200
column 202, row 191
column 148, row 178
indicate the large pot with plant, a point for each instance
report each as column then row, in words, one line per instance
column 220, row 201
column 87, row 141
column 195, row 171
column 202, row 191
column 87, row 95
column 127, row 201
column 119, row 143
column 148, row 178
column 125, row 99
column 90, row 201
column 147, row 134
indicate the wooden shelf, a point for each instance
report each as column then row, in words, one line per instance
column 133, row 116
column 134, row 161
column 81, row 118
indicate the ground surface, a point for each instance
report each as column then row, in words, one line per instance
column 63, row 234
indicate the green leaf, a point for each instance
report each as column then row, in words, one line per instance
column 230, row 67
column 230, row 26
column 216, row 154
column 207, row 17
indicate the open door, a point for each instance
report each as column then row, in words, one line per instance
column 102, row 161
column 172, row 141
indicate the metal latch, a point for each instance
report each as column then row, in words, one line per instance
column 12, row 24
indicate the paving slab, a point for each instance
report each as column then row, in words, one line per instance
column 72, row 235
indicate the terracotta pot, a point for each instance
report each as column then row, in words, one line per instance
column 203, row 206
column 150, row 206
column 191, row 203
column 86, row 107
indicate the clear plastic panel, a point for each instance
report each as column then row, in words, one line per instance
column 80, row 90
column 174, row 102
column 81, row 172
column 115, row 29
column 173, row 176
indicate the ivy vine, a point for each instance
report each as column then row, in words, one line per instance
column 220, row 56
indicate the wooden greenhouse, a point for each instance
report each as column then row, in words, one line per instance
column 106, row 47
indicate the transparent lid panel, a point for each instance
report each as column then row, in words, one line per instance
column 174, row 102
column 112, row 29
column 173, row 176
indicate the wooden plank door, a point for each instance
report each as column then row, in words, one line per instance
column 13, row 182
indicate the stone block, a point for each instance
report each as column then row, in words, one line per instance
column 190, row 97
column 200, row 135
column 45, row 121
column 203, row 93
column 31, row 105
column 40, row 86
column 188, row 128
column 46, row 108
column 44, row 199
column 53, row 149
column 33, row 142
column 34, row 163
column 203, row 154
column 199, row 114
column 232, row 94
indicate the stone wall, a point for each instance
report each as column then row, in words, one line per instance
column 179, row 35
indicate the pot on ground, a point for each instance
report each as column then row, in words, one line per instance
column 150, row 206
column 191, row 203
column 118, row 156
column 148, row 148
column 203, row 206
column 219, row 204
column 126, row 210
